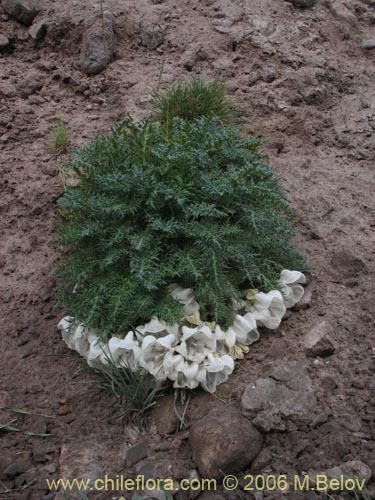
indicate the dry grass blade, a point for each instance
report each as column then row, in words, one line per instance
column 24, row 412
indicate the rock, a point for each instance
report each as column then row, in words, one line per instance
column 81, row 460
column 41, row 452
column 341, row 11
column 306, row 300
column 38, row 30
column 346, row 264
column 368, row 44
column 231, row 87
column 22, row 11
column 152, row 35
column 154, row 470
column 260, row 463
column 269, row 74
column 227, row 443
column 355, row 469
column 164, row 414
column 304, row 4
column 135, row 454
column 317, row 341
column 28, row 86
column 64, row 410
column 320, row 419
column 4, row 43
column 16, row 468
column 313, row 95
column 97, row 44
column 286, row 395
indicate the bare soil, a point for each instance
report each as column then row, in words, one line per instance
column 307, row 87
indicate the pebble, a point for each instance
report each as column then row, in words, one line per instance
column 16, row 468
column 97, row 44
column 228, row 442
column 23, row 11
column 152, row 35
column 39, row 30
column 64, row 410
column 4, row 42
column 368, row 44
column 135, row 454
column 317, row 341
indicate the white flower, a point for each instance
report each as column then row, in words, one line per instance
column 153, row 352
column 202, row 355
column 292, row 289
column 181, row 371
column 215, row 371
column 243, row 331
column 268, row 309
column 156, row 328
column 186, row 297
column 196, row 342
column 126, row 351
column 75, row 335
column 98, row 352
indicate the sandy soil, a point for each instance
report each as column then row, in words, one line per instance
column 308, row 89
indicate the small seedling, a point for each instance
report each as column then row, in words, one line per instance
column 136, row 391
column 194, row 99
column 60, row 141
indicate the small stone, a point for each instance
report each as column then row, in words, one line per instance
column 22, row 11
column 64, row 410
column 341, row 11
column 4, row 42
column 320, row 419
column 260, row 463
column 16, row 468
column 35, row 99
column 317, row 341
column 304, row 4
column 97, row 44
column 368, row 44
column 306, row 300
column 152, row 35
column 231, row 87
column 28, row 86
column 313, row 96
column 82, row 460
column 164, row 414
column 286, row 395
column 355, row 469
column 269, row 74
column 39, row 30
column 135, row 454
column 228, row 443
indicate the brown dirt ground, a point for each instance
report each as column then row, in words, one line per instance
column 317, row 113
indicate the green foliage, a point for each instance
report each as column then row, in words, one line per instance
column 59, row 138
column 194, row 99
column 193, row 204
column 136, row 391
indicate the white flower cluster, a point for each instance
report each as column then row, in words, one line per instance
column 202, row 354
